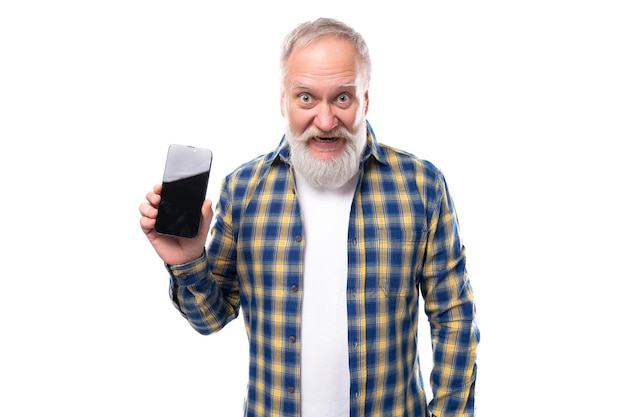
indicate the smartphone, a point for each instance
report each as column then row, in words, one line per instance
column 185, row 182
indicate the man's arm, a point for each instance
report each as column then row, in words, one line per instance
column 449, row 305
column 206, row 290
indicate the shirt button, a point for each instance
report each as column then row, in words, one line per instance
column 292, row 339
column 291, row 390
column 298, row 238
column 183, row 276
column 294, row 288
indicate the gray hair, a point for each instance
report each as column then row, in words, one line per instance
column 308, row 32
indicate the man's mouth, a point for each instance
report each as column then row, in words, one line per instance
column 325, row 139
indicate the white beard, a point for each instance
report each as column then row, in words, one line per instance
column 327, row 173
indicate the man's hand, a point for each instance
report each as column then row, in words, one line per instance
column 173, row 250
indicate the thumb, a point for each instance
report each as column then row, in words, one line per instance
column 207, row 217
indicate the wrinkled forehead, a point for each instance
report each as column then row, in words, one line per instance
column 327, row 58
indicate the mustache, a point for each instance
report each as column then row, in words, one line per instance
column 313, row 131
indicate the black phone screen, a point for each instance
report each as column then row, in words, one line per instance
column 185, row 183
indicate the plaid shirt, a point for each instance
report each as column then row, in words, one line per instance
column 403, row 238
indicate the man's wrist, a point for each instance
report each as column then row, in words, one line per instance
column 190, row 272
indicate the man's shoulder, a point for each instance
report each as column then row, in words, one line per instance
column 252, row 167
column 406, row 161
column 246, row 166
column 246, row 177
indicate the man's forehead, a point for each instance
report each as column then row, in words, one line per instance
column 309, row 86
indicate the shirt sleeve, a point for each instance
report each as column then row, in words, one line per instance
column 206, row 291
column 449, row 305
column 198, row 297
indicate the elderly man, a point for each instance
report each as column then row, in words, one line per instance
column 324, row 245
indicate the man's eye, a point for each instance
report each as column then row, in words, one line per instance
column 305, row 98
column 343, row 98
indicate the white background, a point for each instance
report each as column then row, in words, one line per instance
column 521, row 104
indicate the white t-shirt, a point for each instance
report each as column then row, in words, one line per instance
column 324, row 363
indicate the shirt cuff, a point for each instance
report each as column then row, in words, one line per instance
column 189, row 273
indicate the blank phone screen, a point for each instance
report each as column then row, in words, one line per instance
column 184, row 190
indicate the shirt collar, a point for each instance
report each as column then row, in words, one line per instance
column 372, row 149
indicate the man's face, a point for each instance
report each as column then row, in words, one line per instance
column 325, row 102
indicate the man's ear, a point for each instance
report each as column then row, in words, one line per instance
column 283, row 111
column 366, row 96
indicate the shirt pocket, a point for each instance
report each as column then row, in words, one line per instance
column 399, row 250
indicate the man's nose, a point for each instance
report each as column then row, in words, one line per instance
column 325, row 118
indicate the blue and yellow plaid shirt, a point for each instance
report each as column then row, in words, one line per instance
column 403, row 238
